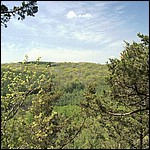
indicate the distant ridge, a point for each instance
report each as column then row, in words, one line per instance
column 41, row 62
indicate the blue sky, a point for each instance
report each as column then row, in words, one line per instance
column 74, row 31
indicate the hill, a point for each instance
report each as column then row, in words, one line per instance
column 69, row 78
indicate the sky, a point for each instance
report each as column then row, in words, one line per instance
column 74, row 31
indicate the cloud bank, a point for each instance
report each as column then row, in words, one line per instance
column 66, row 55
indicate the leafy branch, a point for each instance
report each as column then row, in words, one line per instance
column 28, row 8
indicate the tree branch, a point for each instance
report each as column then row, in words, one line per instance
column 74, row 135
column 126, row 114
column 16, row 107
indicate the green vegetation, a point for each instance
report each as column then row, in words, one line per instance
column 77, row 105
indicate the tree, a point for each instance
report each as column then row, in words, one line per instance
column 129, row 82
column 126, row 103
column 129, row 77
column 27, row 8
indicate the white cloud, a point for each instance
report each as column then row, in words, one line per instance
column 87, row 15
column 72, row 14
